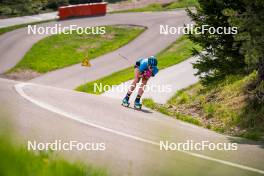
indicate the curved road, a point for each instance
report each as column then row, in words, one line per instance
column 15, row 44
column 46, row 113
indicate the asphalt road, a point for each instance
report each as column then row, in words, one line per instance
column 46, row 113
column 161, row 87
column 53, row 15
column 16, row 43
column 27, row 19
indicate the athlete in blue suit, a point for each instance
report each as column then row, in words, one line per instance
column 144, row 69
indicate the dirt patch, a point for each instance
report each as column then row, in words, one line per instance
column 85, row 48
column 196, row 112
column 109, row 35
column 21, row 75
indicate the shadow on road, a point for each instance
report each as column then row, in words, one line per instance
column 140, row 110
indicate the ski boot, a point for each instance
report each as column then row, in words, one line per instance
column 125, row 102
column 137, row 105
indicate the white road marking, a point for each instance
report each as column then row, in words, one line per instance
column 19, row 89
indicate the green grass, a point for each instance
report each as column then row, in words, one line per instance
column 151, row 7
column 175, row 53
column 11, row 28
column 163, row 7
column 61, row 50
column 164, row 110
column 17, row 160
column 226, row 107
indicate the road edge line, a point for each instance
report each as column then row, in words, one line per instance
column 19, row 90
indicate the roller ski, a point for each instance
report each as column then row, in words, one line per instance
column 137, row 105
column 125, row 102
column 144, row 68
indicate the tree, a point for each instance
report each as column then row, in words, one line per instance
column 221, row 56
column 55, row 4
column 231, row 53
column 21, row 7
column 251, row 33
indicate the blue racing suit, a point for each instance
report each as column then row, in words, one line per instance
column 142, row 65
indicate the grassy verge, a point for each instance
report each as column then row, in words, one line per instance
column 11, row 28
column 58, row 51
column 17, row 160
column 163, row 7
column 177, row 52
column 226, row 107
column 165, row 110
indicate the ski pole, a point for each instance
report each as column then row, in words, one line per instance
column 124, row 57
